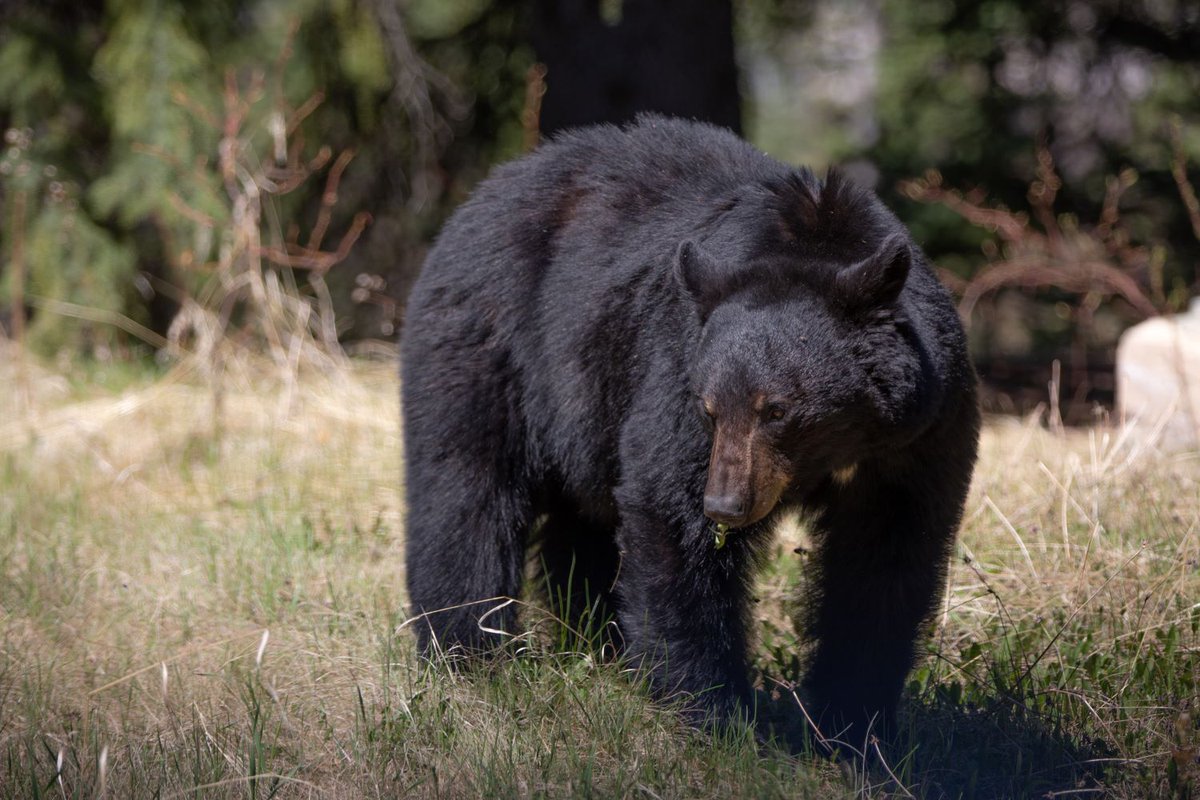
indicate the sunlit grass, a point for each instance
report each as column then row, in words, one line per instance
column 190, row 615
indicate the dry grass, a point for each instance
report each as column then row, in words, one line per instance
column 189, row 616
column 133, row 541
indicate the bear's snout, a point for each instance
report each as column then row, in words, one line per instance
column 728, row 495
column 745, row 479
column 726, row 508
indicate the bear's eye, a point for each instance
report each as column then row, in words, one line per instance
column 775, row 412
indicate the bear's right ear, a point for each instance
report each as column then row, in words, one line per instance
column 699, row 276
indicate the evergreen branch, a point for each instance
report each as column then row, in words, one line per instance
column 187, row 211
column 184, row 100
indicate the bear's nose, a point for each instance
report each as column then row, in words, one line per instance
column 725, row 508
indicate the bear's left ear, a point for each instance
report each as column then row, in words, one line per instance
column 699, row 276
column 878, row 280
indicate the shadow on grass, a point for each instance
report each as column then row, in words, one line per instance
column 943, row 750
column 999, row 751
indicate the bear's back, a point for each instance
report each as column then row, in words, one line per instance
column 584, row 215
column 640, row 186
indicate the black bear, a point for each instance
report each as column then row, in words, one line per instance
column 645, row 343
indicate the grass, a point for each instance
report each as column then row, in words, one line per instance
column 184, row 614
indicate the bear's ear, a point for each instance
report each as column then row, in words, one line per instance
column 878, row 280
column 699, row 275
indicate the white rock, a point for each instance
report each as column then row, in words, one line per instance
column 1158, row 378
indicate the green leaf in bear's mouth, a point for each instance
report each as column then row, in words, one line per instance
column 720, row 532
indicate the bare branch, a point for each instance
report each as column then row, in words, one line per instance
column 1179, row 172
column 1100, row 262
column 329, row 198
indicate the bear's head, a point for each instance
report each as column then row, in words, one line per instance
column 805, row 362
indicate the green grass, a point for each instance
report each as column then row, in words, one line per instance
column 182, row 616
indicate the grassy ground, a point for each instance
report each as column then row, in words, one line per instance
column 191, row 615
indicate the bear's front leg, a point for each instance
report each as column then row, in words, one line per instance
column 882, row 543
column 682, row 611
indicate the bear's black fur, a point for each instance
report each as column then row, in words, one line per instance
column 632, row 328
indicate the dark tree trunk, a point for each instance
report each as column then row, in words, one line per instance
column 608, row 61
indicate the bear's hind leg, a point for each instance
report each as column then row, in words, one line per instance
column 577, row 564
column 465, row 553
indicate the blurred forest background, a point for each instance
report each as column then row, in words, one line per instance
column 168, row 164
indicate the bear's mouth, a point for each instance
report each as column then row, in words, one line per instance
column 743, row 510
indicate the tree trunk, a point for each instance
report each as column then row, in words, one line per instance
column 607, row 60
